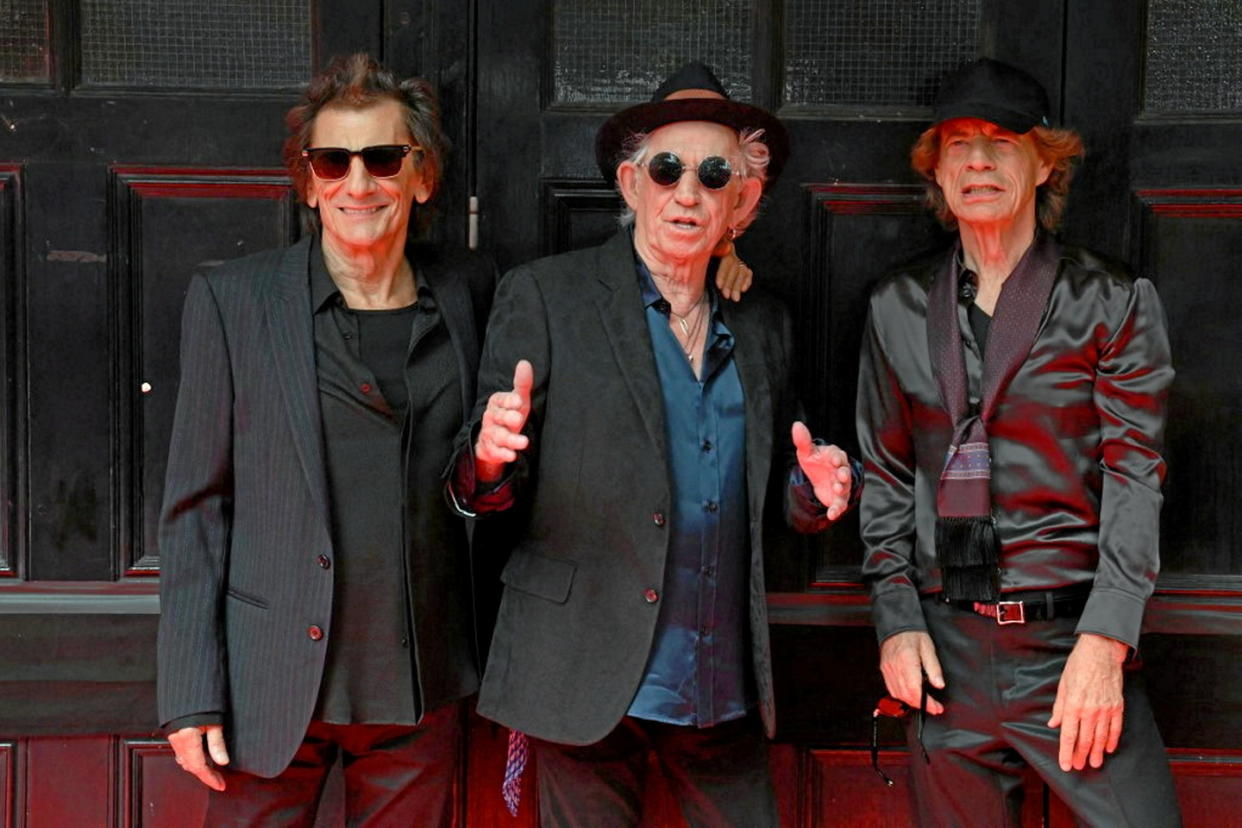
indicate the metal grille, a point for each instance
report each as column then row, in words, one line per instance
column 1194, row 56
column 212, row 44
column 24, row 41
column 875, row 52
column 619, row 51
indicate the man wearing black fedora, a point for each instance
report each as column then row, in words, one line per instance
column 1011, row 409
column 648, row 433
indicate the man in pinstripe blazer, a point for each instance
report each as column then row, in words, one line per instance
column 316, row 592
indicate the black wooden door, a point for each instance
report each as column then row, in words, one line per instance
column 1152, row 86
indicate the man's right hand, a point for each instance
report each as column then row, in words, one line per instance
column 904, row 659
column 500, row 435
column 187, row 744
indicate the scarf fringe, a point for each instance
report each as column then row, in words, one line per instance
column 968, row 551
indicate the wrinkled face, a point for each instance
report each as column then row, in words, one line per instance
column 988, row 174
column 683, row 222
column 360, row 211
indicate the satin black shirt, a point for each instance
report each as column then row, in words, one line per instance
column 1076, row 443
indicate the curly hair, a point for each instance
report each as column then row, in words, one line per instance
column 358, row 81
column 1062, row 148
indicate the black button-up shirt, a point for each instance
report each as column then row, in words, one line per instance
column 391, row 401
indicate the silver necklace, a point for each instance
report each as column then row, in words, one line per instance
column 690, row 330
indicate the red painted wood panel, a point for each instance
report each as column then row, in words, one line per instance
column 68, row 781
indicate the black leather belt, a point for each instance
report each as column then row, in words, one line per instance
column 1040, row 605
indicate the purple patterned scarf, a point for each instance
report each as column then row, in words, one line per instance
column 967, row 546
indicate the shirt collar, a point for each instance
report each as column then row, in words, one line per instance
column 324, row 290
column 651, row 294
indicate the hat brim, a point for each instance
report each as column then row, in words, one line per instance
column 1010, row 119
column 617, row 130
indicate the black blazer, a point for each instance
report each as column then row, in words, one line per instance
column 245, row 521
column 575, row 626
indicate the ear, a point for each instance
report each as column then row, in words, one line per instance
column 422, row 187
column 312, row 193
column 747, row 197
column 627, row 183
column 1045, row 170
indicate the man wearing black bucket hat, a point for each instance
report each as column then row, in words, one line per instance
column 644, row 427
column 1010, row 410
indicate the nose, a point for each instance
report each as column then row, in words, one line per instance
column 980, row 155
column 358, row 180
column 687, row 191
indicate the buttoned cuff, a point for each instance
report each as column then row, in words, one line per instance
column 897, row 610
column 1114, row 614
column 192, row 720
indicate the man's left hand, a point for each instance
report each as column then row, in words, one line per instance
column 1090, row 706
column 828, row 469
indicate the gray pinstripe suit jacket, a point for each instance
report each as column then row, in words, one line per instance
column 246, row 518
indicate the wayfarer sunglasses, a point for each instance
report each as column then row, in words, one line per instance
column 381, row 160
column 665, row 169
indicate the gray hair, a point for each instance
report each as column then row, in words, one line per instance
column 755, row 158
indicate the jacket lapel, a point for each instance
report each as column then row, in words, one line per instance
column 625, row 324
column 452, row 297
column 754, row 370
column 291, row 344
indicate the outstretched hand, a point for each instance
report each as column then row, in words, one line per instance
column 828, row 469
column 500, row 434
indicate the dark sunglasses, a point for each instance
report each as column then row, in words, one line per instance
column 381, row 160
column 665, row 169
column 891, row 708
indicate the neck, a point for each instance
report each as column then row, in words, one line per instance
column 371, row 278
column 992, row 251
column 682, row 283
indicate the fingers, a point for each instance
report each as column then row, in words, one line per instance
column 215, row 745
column 500, row 432
column 1069, row 741
column 187, row 744
column 1115, row 722
column 904, row 659
column 1098, row 741
column 523, row 379
column 802, row 440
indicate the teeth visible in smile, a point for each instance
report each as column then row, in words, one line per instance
column 360, row 211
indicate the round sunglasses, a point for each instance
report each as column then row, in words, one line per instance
column 666, row 169
column 381, row 160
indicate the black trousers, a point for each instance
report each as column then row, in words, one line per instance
column 1000, row 684
column 718, row 774
column 394, row 775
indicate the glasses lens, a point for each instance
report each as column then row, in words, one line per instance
column 383, row 161
column 715, row 172
column 665, row 169
column 330, row 164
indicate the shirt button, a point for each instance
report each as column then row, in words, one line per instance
column 651, row 596
column 348, row 335
column 365, row 388
column 707, row 445
column 405, row 642
column 711, row 506
column 658, row 518
column 324, row 561
column 314, row 632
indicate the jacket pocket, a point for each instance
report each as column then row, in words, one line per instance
column 246, row 598
column 539, row 575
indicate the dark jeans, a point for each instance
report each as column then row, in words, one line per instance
column 1000, row 684
column 718, row 774
column 394, row 775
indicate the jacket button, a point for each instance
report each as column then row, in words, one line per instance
column 651, row 596
column 658, row 518
column 324, row 561
column 314, row 632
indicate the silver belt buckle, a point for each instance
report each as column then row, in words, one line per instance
column 1010, row 612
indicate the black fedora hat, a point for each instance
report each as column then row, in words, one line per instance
column 993, row 91
column 692, row 93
